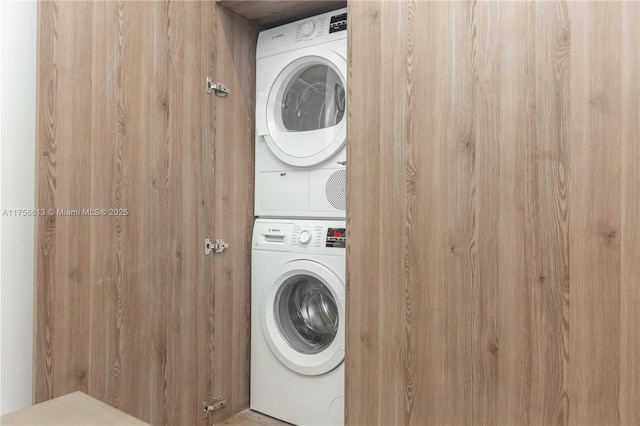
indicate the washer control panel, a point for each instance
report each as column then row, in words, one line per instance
column 320, row 236
column 300, row 236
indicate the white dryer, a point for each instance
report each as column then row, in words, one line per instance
column 297, row 320
column 301, row 132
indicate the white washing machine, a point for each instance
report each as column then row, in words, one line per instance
column 297, row 320
column 301, row 131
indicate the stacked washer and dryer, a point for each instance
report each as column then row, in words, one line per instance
column 298, row 244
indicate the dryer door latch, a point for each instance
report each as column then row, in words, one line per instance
column 218, row 246
column 219, row 88
column 218, row 402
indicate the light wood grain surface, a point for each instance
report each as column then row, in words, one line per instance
column 76, row 408
column 128, row 308
column 252, row 418
column 228, row 153
column 271, row 13
column 493, row 213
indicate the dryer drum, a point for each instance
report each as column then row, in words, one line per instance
column 314, row 99
column 307, row 314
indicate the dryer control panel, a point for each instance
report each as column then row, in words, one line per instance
column 317, row 26
column 311, row 31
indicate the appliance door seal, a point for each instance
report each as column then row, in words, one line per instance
column 303, row 317
column 305, row 110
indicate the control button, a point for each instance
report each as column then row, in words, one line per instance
column 305, row 236
column 308, row 28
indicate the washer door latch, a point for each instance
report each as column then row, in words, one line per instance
column 218, row 246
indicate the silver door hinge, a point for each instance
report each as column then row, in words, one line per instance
column 218, row 402
column 218, row 246
column 219, row 88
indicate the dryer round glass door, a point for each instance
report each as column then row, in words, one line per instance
column 306, row 109
column 304, row 317
column 313, row 99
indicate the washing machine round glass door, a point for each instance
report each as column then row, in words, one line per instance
column 303, row 318
column 306, row 108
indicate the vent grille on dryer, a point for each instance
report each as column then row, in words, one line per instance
column 336, row 190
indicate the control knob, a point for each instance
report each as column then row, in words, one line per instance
column 306, row 235
column 308, row 28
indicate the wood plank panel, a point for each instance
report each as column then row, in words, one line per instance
column 271, row 13
column 207, row 343
column 64, row 265
column 511, row 296
column 595, row 202
column 477, row 148
column 364, row 346
column 141, row 133
column 184, row 186
column 547, row 217
column 630, row 219
column 231, row 206
column 105, row 174
column 534, row 287
column 46, row 186
column 126, row 303
column 252, row 418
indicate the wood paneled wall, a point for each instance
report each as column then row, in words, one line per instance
column 128, row 308
column 493, row 213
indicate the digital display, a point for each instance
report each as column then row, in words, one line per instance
column 336, row 237
column 338, row 23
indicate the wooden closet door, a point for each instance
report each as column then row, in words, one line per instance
column 128, row 307
column 228, row 159
column 493, row 213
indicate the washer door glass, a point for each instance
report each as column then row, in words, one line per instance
column 306, row 314
column 314, row 99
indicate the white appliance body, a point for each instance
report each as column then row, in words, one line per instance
column 297, row 320
column 301, row 131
